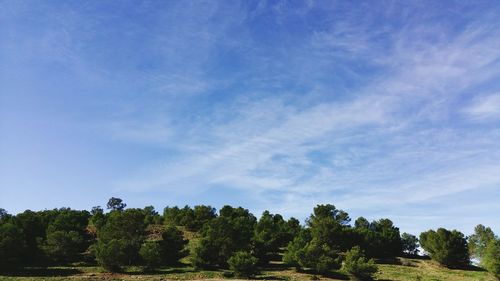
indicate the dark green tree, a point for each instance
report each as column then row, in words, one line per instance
column 446, row 247
column 151, row 216
column 173, row 246
column 269, row 235
column 12, row 246
column 151, row 253
column 296, row 249
column 127, row 229
column 112, row 254
column 230, row 232
column 116, row 204
column 409, row 243
column 67, row 236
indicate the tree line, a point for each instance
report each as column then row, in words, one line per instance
column 230, row 238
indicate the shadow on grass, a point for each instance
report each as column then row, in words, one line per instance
column 270, row 277
column 474, row 268
column 275, row 267
column 332, row 274
column 42, row 272
column 161, row 271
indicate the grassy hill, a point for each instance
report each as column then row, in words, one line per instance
column 407, row 269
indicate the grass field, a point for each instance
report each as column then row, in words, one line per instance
column 408, row 269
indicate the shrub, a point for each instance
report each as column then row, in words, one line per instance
column 358, row 266
column 243, row 264
column 151, row 253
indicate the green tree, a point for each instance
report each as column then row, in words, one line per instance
column 491, row 258
column 478, row 241
column 328, row 230
column 446, row 247
column 358, row 265
column 269, row 235
column 173, row 246
column 63, row 246
column 116, row 204
column 128, row 228
column 295, row 251
column 380, row 239
column 112, row 254
column 409, row 243
column 12, row 246
column 151, row 216
column 66, row 235
column 230, row 232
column 243, row 264
column 151, row 253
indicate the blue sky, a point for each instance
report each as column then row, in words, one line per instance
column 383, row 108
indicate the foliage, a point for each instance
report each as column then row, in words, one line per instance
column 409, row 243
column 271, row 233
column 193, row 219
column 151, row 216
column 295, row 251
column 478, row 241
column 63, row 246
column 358, row 265
column 230, row 232
column 12, row 246
column 112, row 254
column 319, row 257
column 243, row 264
column 491, row 257
column 151, row 253
column 116, row 204
column 67, row 236
column 380, row 239
column 173, row 246
column 127, row 227
column 446, row 247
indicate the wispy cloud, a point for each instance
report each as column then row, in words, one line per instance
column 484, row 107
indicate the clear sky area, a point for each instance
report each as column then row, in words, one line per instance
column 382, row 108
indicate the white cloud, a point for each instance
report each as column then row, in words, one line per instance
column 484, row 107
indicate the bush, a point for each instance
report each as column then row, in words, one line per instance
column 449, row 248
column 151, row 253
column 358, row 266
column 243, row 264
column 319, row 257
column 111, row 255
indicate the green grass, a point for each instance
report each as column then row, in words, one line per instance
column 413, row 269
